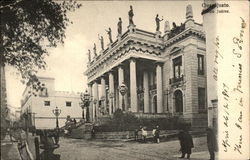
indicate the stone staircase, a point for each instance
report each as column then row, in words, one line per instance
column 83, row 131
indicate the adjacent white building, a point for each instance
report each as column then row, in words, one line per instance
column 40, row 105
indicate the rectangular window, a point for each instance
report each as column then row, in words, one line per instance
column 46, row 103
column 177, row 66
column 68, row 104
column 201, row 98
column 200, row 64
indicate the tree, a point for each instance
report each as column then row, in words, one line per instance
column 28, row 28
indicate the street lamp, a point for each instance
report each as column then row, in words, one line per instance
column 85, row 97
column 95, row 101
column 123, row 91
column 56, row 112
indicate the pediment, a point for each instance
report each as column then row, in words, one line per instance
column 176, row 49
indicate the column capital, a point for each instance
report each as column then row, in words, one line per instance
column 90, row 83
column 120, row 65
column 102, row 76
column 132, row 59
column 110, row 71
column 158, row 64
column 95, row 80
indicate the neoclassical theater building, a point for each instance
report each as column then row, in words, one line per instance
column 164, row 73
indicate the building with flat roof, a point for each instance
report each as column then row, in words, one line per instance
column 164, row 74
column 40, row 106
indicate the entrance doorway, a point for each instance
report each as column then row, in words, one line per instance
column 178, row 101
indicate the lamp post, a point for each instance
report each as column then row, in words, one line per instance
column 56, row 112
column 123, row 91
column 85, row 97
column 95, row 101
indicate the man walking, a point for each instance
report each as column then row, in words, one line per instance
column 157, row 134
column 186, row 142
column 211, row 143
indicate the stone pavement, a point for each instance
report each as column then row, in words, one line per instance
column 79, row 149
column 9, row 150
column 203, row 155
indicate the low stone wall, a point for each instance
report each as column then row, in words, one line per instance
column 114, row 135
column 128, row 134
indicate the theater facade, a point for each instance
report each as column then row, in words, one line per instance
column 161, row 74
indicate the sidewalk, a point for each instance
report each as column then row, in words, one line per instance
column 196, row 156
column 9, row 150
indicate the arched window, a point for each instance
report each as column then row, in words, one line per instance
column 178, row 101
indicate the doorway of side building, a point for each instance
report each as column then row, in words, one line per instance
column 155, row 104
column 178, row 101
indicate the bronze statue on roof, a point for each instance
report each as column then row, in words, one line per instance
column 94, row 49
column 157, row 21
column 89, row 55
column 102, row 41
column 119, row 26
column 109, row 32
column 131, row 15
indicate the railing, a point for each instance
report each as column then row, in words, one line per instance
column 176, row 80
column 142, row 32
column 125, row 34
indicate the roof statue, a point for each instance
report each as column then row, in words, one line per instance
column 119, row 26
column 109, row 34
column 102, row 41
column 174, row 25
column 94, row 49
column 166, row 27
column 176, row 30
column 189, row 12
column 131, row 15
column 89, row 55
column 157, row 21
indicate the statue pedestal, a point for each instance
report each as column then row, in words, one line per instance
column 165, row 36
column 131, row 28
column 109, row 45
column 158, row 34
column 119, row 37
column 189, row 23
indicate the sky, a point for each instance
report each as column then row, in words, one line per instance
column 67, row 62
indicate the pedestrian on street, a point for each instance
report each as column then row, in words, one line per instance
column 9, row 131
column 186, row 143
column 211, row 142
column 136, row 134
column 74, row 120
column 153, row 133
column 144, row 134
column 93, row 133
column 157, row 134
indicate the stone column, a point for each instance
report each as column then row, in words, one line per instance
column 95, row 98
column 120, row 81
column 91, row 102
column 111, row 92
column 146, row 92
column 116, row 97
column 133, row 86
column 103, row 95
column 159, row 88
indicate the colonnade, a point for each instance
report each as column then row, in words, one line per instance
column 132, row 90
